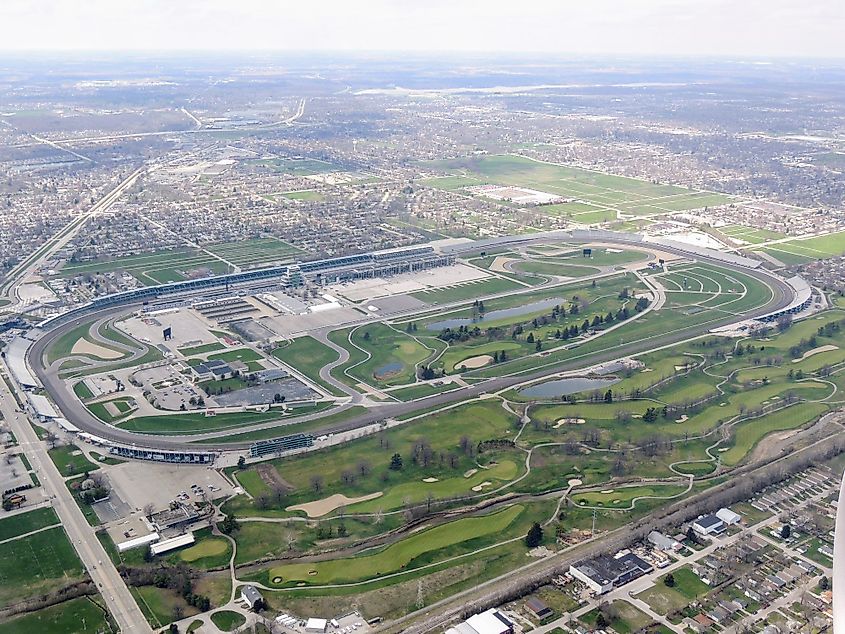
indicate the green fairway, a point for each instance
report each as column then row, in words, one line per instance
column 309, row 356
column 76, row 616
column 442, row 432
column 623, row 497
column 396, row 557
column 36, row 564
column 207, row 552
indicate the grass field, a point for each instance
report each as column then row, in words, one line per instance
column 750, row 235
column 309, row 356
column 380, row 356
column 442, row 431
column 799, row 251
column 158, row 604
column 36, row 564
column 663, row 599
column 196, row 422
column 605, row 192
column 208, row 551
column 202, row 349
column 69, row 460
column 307, row 195
column 396, row 557
column 27, row 522
column 77, row 616
column 226, row 620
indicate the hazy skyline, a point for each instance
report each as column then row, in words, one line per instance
column 748, row 28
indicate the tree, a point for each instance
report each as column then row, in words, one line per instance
column 608, row 396
column 669, row 580
column 241, row 462
column 824, row 584
column 601, row 622
column 785, row 531
column 396, row 462
column 229, row 524
column 535, row 536
column 530, row 338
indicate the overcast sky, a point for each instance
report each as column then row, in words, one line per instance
column 749, row 28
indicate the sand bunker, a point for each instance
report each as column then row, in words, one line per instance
column 318, row 508
column 607, row 491
column 480, row 487
column 647, row 370
column 678, row 368
column 684, row 418
column 470, row 473
column 83, row 346
column 499, row 264
column 475, row 362
column 574, row 482
column 810, row 353
column 569, row 421
column 430, row 480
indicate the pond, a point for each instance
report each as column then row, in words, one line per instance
column 388, row 370
column 503, row 313
column 564, row 387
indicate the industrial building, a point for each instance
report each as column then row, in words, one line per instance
column 604, row 573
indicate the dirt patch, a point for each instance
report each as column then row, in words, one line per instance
column 474, row 363
column 272, row 479
column 814, row 351
column 318, row 508
column 90, row 349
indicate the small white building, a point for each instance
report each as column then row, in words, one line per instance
column 728, row 517
column 316, row 625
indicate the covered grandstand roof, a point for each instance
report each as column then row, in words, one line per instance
column 16, row 360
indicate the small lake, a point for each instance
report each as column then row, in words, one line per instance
column 387, row 370
column 525, row 309
column 565, row 387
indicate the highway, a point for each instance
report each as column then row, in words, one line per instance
column 19, row 274
column 74, row 411
column 116, row 595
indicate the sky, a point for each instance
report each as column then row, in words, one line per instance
column 744, row 28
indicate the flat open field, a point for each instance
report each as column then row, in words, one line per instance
column 160, row 267
column 27, row 522
column 80, row 616
column 309, row 356
column 604, row 192
column 36, row 564
column 800, row 251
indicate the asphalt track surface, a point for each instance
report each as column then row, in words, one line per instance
column 79, row 415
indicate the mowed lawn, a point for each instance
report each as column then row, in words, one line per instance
column 395, row 557
column 80, row 616
column 663, row 599
column 393, row 356
column 27, row 522
column 608, row 191
column 309, row 356
column 36, row 564
column 441, row 431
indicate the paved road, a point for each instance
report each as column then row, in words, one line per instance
column 116, row 595
column 74, row 411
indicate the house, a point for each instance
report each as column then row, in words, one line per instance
column 251, row 597
column 539, row 609
column 662, row 542
column 718, row 615
column 728, row 517
column 708, row 525
column 704, row 622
